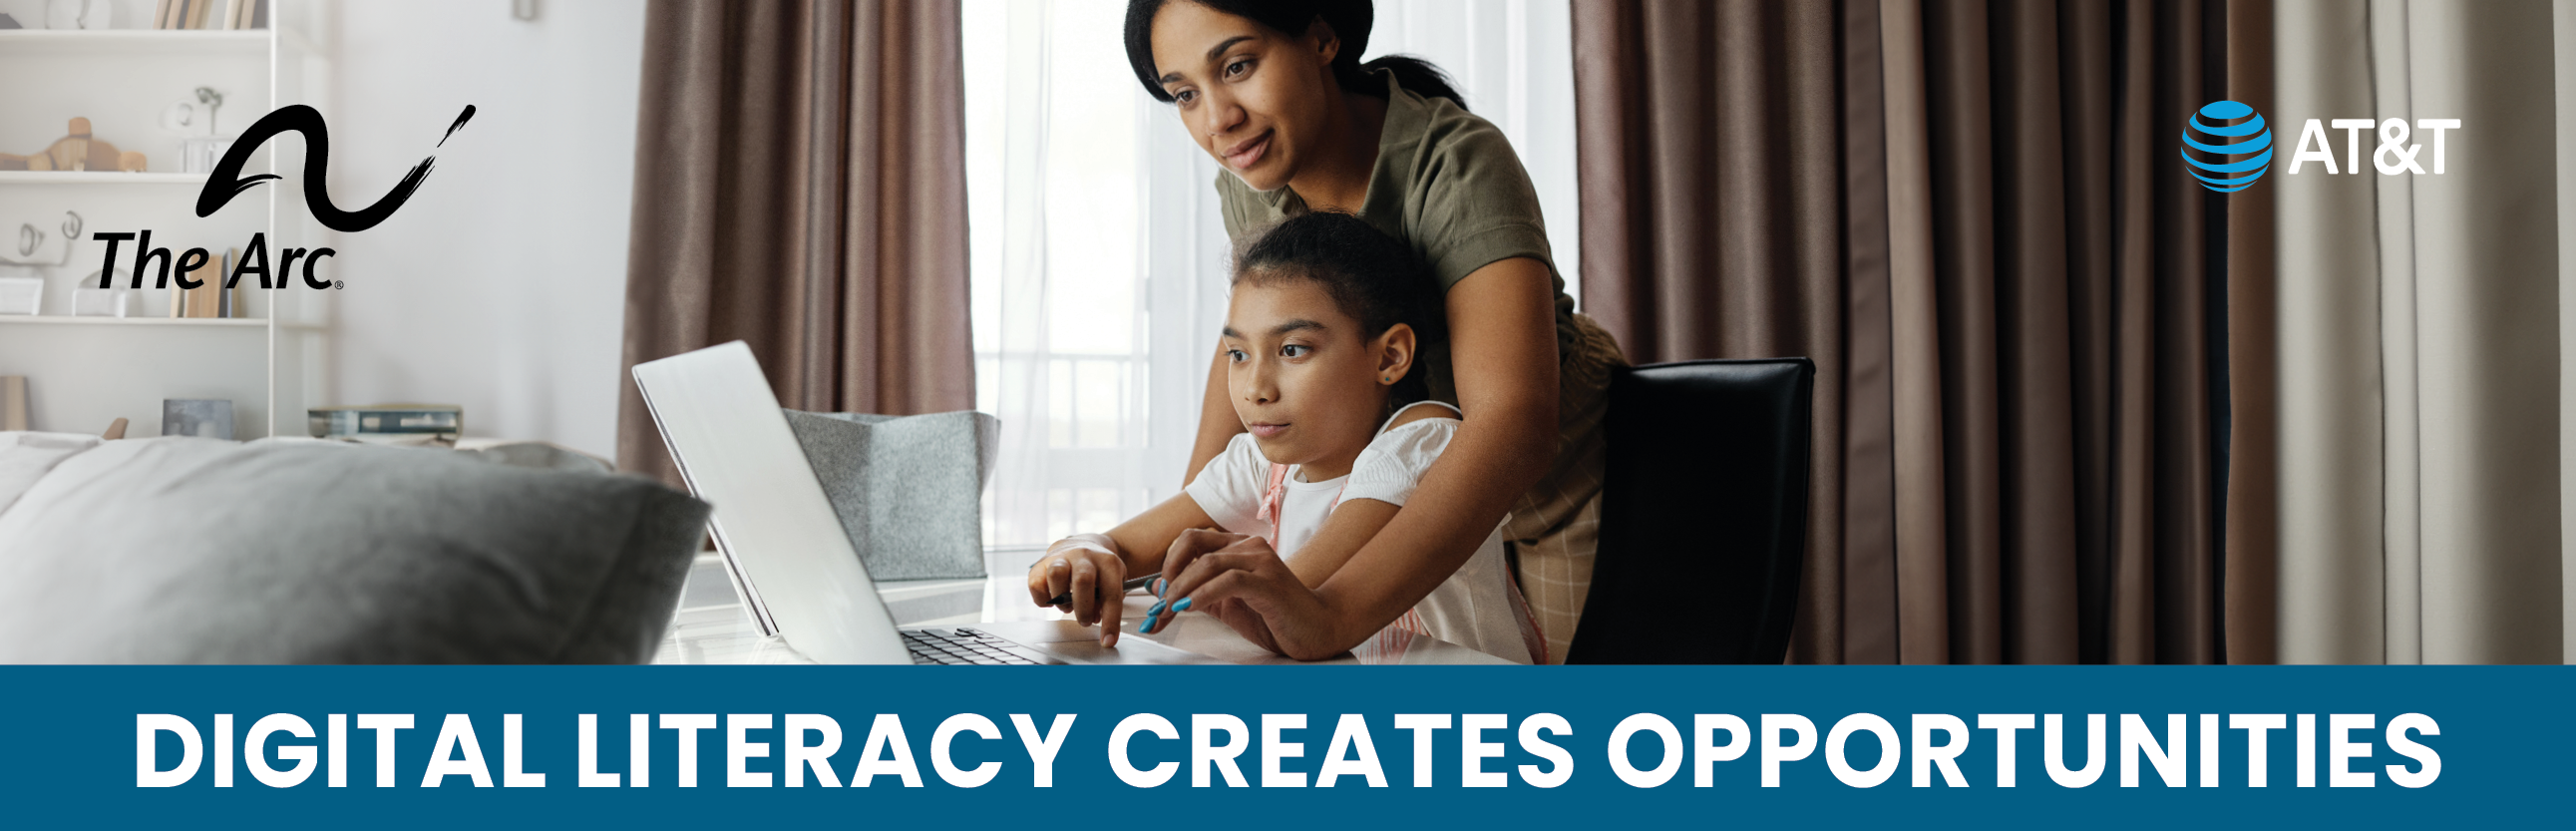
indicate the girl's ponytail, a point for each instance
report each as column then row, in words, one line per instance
column 1374, row 278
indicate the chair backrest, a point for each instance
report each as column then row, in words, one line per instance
column 1703, row 514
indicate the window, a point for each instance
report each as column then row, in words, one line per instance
column 1099, row 256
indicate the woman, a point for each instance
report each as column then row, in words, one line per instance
column 1275, row 91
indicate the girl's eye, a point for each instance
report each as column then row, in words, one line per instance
column 1236, row 355
column 1237, row 68
column 1294, row 350
column 1185, row 96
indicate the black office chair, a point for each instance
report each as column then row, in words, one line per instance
column 1703, row 514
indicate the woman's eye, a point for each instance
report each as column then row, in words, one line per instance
column 1294, row 350
column 1185, row 96
column 1236, row 355
column 1237, row 68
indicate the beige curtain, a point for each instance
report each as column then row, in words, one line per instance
column 800, row 185
column 2419, row 356
column 2563, row 38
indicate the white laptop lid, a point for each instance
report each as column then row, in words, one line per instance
column 784, row 545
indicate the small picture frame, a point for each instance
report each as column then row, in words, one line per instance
column 21, row 295
column 210, row 418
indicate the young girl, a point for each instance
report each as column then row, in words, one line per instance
column 1320, row 342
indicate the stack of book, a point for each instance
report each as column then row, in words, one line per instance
column 211, row 299
column 211, row 14
column 403, row 424
column 13, row 402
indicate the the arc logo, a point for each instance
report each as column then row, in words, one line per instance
column 2234, row 147
column 227, row 181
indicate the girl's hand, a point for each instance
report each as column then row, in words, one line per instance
column 1086, row 567
column 1242, row 581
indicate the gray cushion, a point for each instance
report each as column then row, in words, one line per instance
column 184, row 550
column 536, row 454
column 27, row 457
column 908, row 489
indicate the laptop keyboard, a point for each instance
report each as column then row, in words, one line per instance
column 959, row 646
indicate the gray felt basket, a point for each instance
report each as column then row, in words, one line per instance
column 909, row 489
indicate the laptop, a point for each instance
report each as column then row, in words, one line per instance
column 786, row 551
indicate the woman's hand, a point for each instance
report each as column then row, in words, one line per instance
column 1088, row 568
column 1240, row 579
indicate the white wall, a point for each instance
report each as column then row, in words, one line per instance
column 501, row 285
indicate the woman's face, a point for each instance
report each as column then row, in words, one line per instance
column 1308, row 384
column 1249, row 96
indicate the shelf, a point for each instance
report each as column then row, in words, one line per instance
column 67, row 320
column 93, row 370
column 97, row 177
column 132, row 42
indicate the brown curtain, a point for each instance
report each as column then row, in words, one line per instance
column 1710, row 184
column 800, row 185
column 1967, row 214
column 2251, row 578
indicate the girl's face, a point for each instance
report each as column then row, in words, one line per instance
column 1249, row 96
column 1308, row 384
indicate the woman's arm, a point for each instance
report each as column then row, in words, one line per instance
column 1217, row 421
column 1502, row 339
column 1351, row 525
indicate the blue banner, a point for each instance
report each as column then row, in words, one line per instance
column 1255, row 747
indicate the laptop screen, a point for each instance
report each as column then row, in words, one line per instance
column 780, row 539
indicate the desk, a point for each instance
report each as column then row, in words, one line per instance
column 711, row 627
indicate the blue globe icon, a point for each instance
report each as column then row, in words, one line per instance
column 2230, row 168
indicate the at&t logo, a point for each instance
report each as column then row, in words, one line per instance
column 2394, row 155
column 2239, row 152
column 2229, row 147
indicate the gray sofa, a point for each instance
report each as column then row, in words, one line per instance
column 186, row 550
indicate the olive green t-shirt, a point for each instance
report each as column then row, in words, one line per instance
column 1447, row 183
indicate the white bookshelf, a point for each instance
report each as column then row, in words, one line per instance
column 62, row 320
column 135, row 43
column 84, row 372
column 93, row 177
